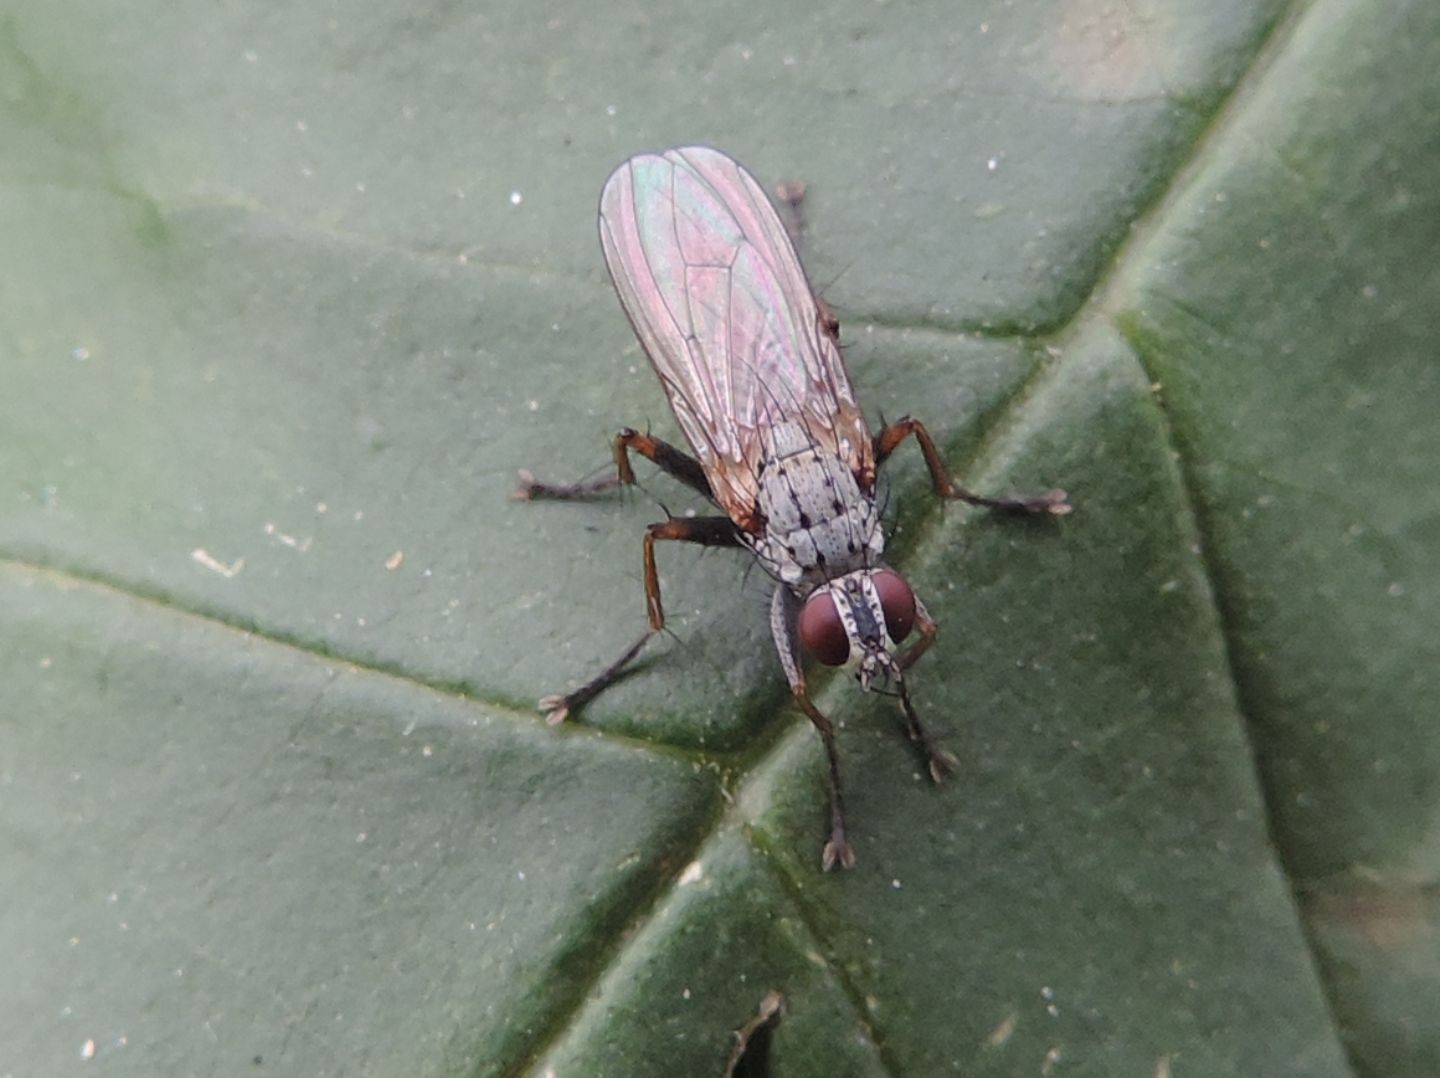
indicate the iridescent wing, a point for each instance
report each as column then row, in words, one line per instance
column 715, row 291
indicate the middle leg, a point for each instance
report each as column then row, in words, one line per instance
column 1052, row 501
column 706, row 531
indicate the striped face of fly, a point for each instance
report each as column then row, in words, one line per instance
column 857, row 621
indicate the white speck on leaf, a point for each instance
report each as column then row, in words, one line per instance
column 201, row 556
column 1002, row 1033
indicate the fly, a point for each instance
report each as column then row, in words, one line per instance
column 751, row 364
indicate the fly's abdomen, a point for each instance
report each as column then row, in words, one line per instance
column 818, row 523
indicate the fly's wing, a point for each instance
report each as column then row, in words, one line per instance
column 714, row 289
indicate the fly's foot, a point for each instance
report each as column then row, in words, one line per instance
column 526, row 488
column 942, row 762
column 530, row 489
column 837, row 850
column 556, row 708
column 1053, row 502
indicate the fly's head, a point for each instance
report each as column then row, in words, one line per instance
column 858, row 621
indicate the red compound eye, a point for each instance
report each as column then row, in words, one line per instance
column 822, row 633
column 897, row 601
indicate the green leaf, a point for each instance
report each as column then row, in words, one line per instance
column 287, row 297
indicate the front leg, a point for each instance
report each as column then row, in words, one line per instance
column 784, row 608
column 673, row 462
column 1052, row 501
column 940, row 760
column 928, row 628
column 707, row 531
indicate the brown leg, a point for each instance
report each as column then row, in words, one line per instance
column 784, row 608
column 941, row 761
column 928, row 629
column 791, row 194
column 707, row 531
column 557, row 706
column 829, row 324
column 838, row 847
column 1052, row 501
column 671, row 461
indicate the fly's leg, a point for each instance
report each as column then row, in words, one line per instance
column 531, row 489
column 783, row 611
column 557, row 706
column 837, row 847
column 667, row 458
column 707, row 531
column 791, row 194
column 941, row 761
column 928, row 628
column 1052, row 501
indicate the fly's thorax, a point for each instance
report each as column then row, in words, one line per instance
column 819, row 524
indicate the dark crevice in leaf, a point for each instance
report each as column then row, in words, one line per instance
column 751, row 1057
